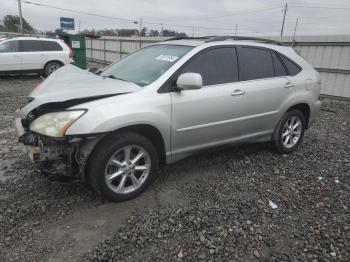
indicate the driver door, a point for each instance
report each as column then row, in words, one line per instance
column 211, row 115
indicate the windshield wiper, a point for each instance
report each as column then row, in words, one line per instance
column 113, row 77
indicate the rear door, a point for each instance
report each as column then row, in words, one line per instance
column 208, row 116
column 266, row 88
column 10, row 58
column 33, row 54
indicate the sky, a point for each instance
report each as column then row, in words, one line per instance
column 194, row 17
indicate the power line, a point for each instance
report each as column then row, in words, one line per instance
column 322, row 7
column 77, row 11
column 247, row 11
column 123, row 19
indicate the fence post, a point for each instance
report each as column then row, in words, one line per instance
column 104, row 49
column 120, row 48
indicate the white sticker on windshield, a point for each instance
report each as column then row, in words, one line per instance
column 168, row 58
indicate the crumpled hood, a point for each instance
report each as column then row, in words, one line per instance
column 71, row 83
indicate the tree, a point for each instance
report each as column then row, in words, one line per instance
column 12, row 24
column 143, row 31
column 127, row 32
column 172, row 33
column 154, row 33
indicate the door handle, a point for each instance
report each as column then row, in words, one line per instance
column 238, row 92
column 288, row 85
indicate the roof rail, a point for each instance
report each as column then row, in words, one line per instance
column 263, row 40
column 189, row 38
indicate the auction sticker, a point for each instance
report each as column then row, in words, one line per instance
column 168, row 58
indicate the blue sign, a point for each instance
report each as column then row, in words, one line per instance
column 67, row 23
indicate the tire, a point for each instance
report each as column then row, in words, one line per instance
column 283, row 130
column 51, row 67
column 109, row 159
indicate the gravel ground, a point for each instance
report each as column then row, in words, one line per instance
column 214, row 206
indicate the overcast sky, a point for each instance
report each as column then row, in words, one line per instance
column 208, row 17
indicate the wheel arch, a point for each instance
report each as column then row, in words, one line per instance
column 53, row 60
column 305, row 109
column 148, row 131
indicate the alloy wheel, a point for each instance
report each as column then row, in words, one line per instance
column 127, row 169
column 291, row 131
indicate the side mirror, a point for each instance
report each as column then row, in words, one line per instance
column 189, row 81
column 95, row 70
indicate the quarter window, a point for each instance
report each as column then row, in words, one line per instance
column 279, row 68
column 51, row 46
column 9, row 47
column 216, row 66
column 31, row 46
column 292, row 68
column 254, row 63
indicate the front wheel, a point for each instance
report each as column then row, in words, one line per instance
column 122, row 166
column 289, row 132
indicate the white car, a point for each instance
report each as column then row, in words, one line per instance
column 33, row 55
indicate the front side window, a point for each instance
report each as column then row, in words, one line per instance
column 254, row 63
column 216, row 66
column 147, row 64
column 31, row 46
column 9, row 47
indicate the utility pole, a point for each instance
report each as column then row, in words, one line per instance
column 295, row 30
column 140, row 23
column 20, row 16
column 192, row 31
column 284, row 19
column 236, row 30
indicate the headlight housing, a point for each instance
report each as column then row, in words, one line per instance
column 55, row 124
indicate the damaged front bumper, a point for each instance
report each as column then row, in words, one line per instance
column 58, row 156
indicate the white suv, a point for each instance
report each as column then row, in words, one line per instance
column 33, row 55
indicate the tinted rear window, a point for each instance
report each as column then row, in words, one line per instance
column 216, row 66
column 31, row 46
column 292, row 68
column 254, row 63
column 51, row 46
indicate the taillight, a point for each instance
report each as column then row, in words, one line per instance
column 70, row 53
column 70, row 50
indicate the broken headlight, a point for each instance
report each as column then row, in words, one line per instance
column 55, row 124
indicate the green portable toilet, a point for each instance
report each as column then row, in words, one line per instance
column 77, row 44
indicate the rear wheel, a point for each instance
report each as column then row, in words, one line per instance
column 122, row 166
column 289, row 132
column 51, row 67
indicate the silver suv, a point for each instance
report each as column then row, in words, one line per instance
column 115, row 127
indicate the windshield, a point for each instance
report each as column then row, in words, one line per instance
column 147, row 64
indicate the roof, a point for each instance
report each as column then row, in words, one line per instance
column 30, row 38
column 196, row 41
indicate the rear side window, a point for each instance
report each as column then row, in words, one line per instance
column 31, row 46
column 254, row 63
column 293, row 69
column 279, row 68
column 9, row 47
column 216, row 66
column 51, row 46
